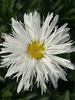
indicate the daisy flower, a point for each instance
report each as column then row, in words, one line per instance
column 31, row 51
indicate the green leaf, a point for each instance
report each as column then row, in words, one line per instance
column 67, row 95
column 7, row 94
column 56, row 4
column 73, row 96
column 71, row 76
column 71, row 11
column 64, row 96
column 1, row 79
column 44, row 98
column 30, row 96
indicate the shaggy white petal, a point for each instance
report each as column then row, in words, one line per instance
column 40, row 80
column 52, row 24
column 45, row 25
column 20, row 85
column 59, row 49
column 20, row 31
column 63, row 62
column 32, row 25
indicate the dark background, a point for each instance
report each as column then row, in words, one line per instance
column 16, row 9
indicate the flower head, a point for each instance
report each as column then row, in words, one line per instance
column 32, row 51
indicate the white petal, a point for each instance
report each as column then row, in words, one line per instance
column 45, row 26
column 40, row 80
column 44, row 70
column 20, row 31
column 54, row 81
column 4, row 51
column 51, row 27
column 59, row 49
column 53, row 23
column 63, row 62
column 32, row 24
column 58, row 36
column 62, row 27
column 53, row 73
column 48, row 62
column 20, row 85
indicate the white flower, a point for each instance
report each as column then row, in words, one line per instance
column 31, row 51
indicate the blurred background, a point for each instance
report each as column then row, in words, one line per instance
column 16, row 9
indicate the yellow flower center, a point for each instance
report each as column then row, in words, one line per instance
column 36, row 50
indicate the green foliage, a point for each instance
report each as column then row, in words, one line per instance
column 71, row 76
column 16, row 9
